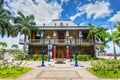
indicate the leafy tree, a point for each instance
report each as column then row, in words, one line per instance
column 15, row 46
column 115, row 38
column 5, row 16
column 118, row 29
column 25, row 25
column 118, row 26
column 3, row 44
column 97, row 34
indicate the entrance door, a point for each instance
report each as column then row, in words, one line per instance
column 60, row 53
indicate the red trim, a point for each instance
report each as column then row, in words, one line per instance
column 67, row 53
column 54, row 51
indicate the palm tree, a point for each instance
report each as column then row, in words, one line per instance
column 5, row 15
column 118, row 26
column 96, row 34
column 115, row 38
column 25, row 25
column 1, row 3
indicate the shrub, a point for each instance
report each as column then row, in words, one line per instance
column 45, row 57
column 20, row 56
column 82, row 57
column 37, row 57
column 106, row 68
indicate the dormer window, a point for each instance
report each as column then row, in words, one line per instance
column 43, row 24
column 55, row 24
column 66, row 24
column 61, row 24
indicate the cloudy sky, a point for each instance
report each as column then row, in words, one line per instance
column 97, row 12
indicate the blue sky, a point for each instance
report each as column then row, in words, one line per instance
column 97, row 12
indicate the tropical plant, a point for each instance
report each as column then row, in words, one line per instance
column 97, row 34
column 118, row 28
column 114, row 36
column 5, row 16
column 15, row 47
column 3, row 44
column 25, row 25
column 13, row 72
column 109, row 68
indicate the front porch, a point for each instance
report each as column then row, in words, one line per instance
column 62, row 51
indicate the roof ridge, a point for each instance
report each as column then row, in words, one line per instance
column 61, row 19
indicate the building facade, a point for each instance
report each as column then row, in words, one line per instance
column 60, row 38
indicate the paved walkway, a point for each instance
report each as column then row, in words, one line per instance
column 54, row 71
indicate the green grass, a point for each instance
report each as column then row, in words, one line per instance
column 13, row 72
column 114, row 73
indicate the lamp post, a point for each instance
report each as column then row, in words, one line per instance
column 70, row 49
column 48, row 48
column 76, row 62
column 43, row 49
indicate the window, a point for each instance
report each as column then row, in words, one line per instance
column 61, row 24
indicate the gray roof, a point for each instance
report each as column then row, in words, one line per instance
column 58, row 22
column 62, row 25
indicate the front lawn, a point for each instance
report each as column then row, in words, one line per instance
column 13, row 72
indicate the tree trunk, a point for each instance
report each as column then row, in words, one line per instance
column 115, row 55
column 92, row 40
column 94, row 44
column 94, row 50
column 25, row 44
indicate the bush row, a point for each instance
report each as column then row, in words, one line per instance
column 82, row 57
column 35, row 57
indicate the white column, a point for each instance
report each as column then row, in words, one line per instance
column 80, row 36
column 42, row 32
column 67, row 36
column 42, row 35
column 54, row 36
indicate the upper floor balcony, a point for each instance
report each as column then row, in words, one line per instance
column 56, row 42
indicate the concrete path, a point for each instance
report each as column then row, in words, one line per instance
column 54, row 71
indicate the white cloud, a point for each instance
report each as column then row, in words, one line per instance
column 83, row 24
column 62, row 1
column 43, row 11
column 75, row 16
column 115, row 17
column 95, row 10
